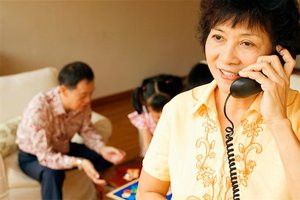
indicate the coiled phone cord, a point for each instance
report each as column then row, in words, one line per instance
column 230, row 154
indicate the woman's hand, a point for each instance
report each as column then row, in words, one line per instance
column 274, row 81
column 112, row 154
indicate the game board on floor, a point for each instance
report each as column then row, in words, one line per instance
column 127, row 191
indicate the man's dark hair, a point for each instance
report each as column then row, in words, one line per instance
column 279, row 18
column 72, row 73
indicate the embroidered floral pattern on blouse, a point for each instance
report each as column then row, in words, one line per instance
column 205, row 173
column 206, row 146
column 250, row 130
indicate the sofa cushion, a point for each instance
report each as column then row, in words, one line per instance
column 16, row 178
column 20, row 184
column 8, row 131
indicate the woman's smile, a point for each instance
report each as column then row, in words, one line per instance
column 228, row 75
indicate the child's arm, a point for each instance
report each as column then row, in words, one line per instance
column 146, row 137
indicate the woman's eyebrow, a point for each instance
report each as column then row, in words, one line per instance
column 249, row 33
column 217, row 29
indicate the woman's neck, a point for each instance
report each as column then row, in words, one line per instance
column 235, row 108
column 234, row 103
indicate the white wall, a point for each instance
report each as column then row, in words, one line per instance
column 122, row 40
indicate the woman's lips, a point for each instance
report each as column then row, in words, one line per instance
column 229, row 75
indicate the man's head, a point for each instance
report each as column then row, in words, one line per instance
column 76, row 82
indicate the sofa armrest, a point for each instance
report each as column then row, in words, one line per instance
column 102, row 124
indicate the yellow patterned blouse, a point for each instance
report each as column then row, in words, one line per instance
column 188, row 150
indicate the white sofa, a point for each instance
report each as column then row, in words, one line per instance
column 16, row 92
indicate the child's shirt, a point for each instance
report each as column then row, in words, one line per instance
column 142, row 121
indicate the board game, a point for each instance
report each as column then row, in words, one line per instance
column 128, row 191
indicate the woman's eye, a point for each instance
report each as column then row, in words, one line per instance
column 217, row 37
column 247, row 44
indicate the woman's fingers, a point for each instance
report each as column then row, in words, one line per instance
column 288, row 59
column 257, row 76
column 272, row 67
column 268, row 65
column 262, row 71
column 272, row 61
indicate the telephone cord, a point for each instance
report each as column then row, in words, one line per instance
column 230, row 155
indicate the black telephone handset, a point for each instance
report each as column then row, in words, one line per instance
column 244, row 87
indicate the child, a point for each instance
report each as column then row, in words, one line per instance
column 148, row 101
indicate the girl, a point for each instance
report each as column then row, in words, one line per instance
column 148, row 100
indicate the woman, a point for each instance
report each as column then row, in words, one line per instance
column 188, row 151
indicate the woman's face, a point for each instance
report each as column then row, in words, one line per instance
column 229, row 50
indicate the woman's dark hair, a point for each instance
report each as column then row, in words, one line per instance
column 279, row 18
column 73, row 73
column 199, row 75
column 156, row 91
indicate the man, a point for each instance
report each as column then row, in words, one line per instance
column 50, row 121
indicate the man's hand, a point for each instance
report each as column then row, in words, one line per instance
column 90, row 171
column 112, row 154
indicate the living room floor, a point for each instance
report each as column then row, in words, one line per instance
column 124, row 134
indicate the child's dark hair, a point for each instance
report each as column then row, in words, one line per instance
column 72, row 73
column 156, row 91
column 279, row 18
column 199, row 75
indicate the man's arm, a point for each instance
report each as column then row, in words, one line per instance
column 90, row 135
column 92, row 139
